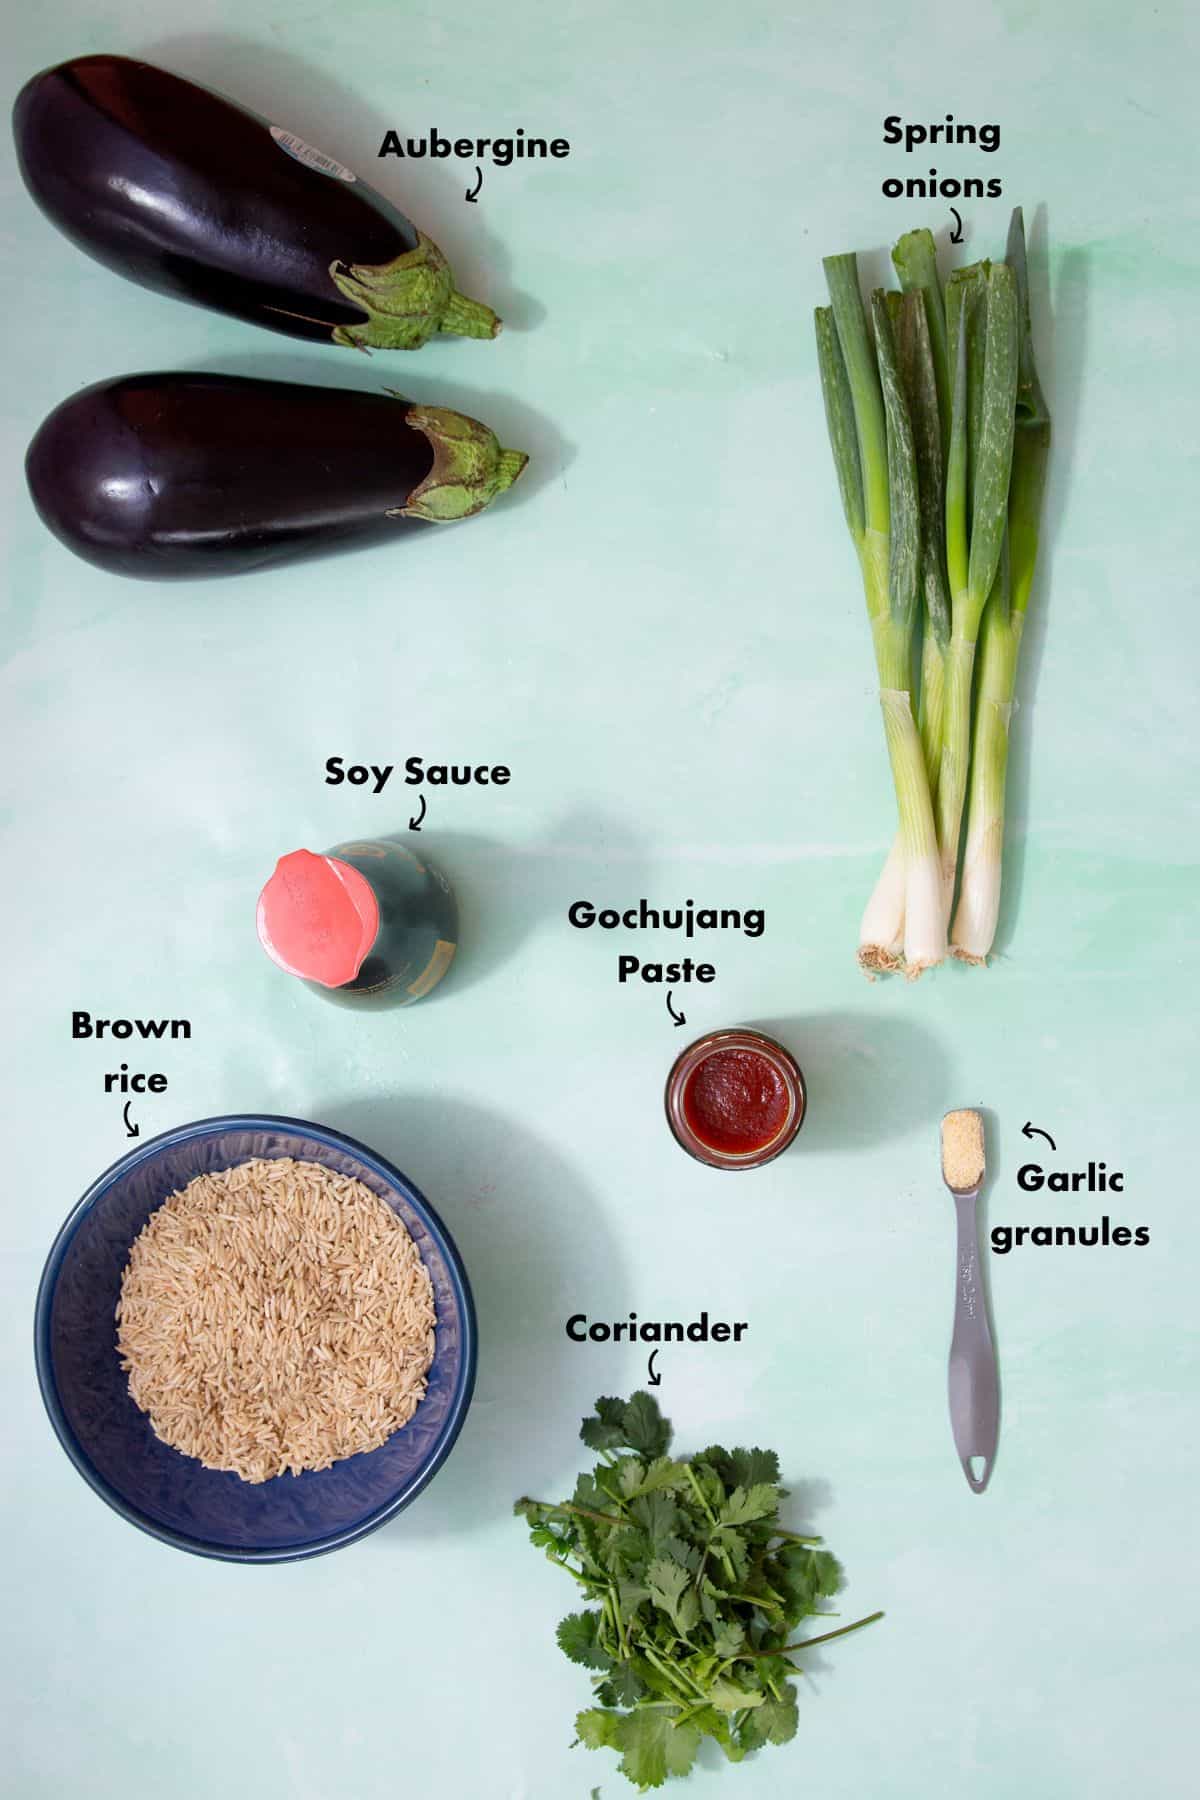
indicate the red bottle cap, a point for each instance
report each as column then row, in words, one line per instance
column 318, row 917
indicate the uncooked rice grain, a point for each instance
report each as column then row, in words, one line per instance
column 275, row 1316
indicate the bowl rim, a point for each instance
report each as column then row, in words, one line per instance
column 334, row 1139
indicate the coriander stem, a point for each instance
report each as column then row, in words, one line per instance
column 581, row 1512
column 795, row 1536
column 825, row 1638
column 671, row 1675
column 700, row 1496
column 613, row 1602
column 758, row 1600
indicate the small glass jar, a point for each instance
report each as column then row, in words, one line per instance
column 367, row 923
column 735, row 1099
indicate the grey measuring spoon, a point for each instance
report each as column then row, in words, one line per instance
column 974, row 1383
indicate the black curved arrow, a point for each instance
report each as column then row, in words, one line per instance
column 131, row 1130
column 1028, row 1130
column 956, row 234
column 679, row 1018
column 653, row 1380
column 473, row 193
column 415, row 824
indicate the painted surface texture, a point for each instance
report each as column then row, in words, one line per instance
column 661, row 632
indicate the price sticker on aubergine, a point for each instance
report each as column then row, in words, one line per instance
column 304, row 153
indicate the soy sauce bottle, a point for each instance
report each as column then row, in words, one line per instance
column 366, row 923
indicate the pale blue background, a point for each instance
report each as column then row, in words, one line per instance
column 661, row 632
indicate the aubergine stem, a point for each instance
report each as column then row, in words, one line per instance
column 407, row 301
column 469, row 466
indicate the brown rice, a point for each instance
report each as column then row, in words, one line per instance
column 275, row 1316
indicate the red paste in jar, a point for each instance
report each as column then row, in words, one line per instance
column 736, row 1102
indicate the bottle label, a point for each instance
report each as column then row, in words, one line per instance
column 435, row 968
column 312, row 159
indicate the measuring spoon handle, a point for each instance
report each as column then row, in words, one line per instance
column 974, row 1383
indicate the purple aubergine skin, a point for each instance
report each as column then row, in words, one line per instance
column 188, row 194
column 177, row 475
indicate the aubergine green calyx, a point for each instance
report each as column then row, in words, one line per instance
column 692, row 1591
column 940, row 437
column 470, row 468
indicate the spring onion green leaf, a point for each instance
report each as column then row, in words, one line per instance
column 904, row 551
column 841, row 277
column 915, row 261
column 839, row 417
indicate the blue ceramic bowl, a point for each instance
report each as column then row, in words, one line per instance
column 110, row 1441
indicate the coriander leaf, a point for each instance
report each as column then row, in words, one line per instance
column 728, row 1638
column 752, row 1467
column 710, row 1485
column 664, row 1473
column 745, row 1504
column 742, row 1468
column 689, row 1556
column 578, row 1637
column 666, row 1581
column 687, row 1613
column 657, row 1514
column 730, row 1697
column 605, row 1430
column 631, row 1595
column 668, row 1584
column 598, row 1729
column 730, row 1546
column 717, row 1457
column 828, row 1571
column 774, row 1722
column 623, row 1686
column 629, row 1476
column 645, row 1428
column 715, row 1725
column 653, row 1748
column 710, row 1603
column 588, row 1494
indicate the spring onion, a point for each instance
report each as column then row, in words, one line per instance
column 871, row 436
column 1000, row 640
column 940, row 436
column 882, row 931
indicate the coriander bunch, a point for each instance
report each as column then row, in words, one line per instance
column 692, row 1588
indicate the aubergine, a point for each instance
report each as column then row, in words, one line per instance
column 175, row 475
column 189, row 194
